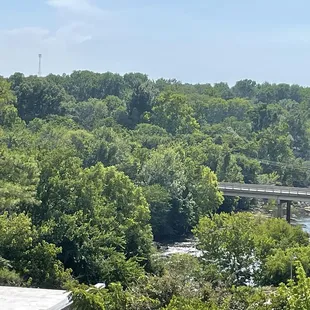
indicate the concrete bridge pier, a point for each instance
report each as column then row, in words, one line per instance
column 288, row 209
column 279, row 209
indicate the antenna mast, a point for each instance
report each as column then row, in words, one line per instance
column 40, row 59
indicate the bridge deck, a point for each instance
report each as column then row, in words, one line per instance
column 266, row 191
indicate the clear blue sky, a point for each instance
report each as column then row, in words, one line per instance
column 193, row 41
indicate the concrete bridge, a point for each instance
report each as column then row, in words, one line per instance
column 280, row 193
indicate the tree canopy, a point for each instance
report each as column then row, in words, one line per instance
column 95, row 167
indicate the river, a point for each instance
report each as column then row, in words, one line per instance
column 304, row 222
column 188, row 246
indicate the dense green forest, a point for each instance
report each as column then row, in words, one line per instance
column 96, row 167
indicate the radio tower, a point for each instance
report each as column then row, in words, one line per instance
column 40, row 71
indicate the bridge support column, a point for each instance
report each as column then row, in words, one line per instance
column 279, row 210
column 288, row 211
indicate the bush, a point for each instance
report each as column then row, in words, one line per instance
column 10, row 278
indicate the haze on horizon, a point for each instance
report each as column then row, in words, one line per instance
column 201, row 41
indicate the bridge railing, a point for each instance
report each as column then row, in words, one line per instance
column 268, row 189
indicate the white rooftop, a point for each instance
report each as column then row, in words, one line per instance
column 19, row 298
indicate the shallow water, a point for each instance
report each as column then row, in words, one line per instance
column 304, row 222
column 188, row 246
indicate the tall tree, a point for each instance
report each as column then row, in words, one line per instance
column 173, row 112
column 37, row 97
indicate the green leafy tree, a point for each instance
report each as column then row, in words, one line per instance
column 17, row 235
column 216, row 110
column 37, row 263
column 228, row 242
column 19, row 179
column 245, row 297
column 42, row 266
column 142, row 100
column 279, row 266
column 228, row 169
column 181, row 303
column 97, row 216
column 245, row 89
column 173, row 112
column 204, row 188
column 150, row 136
column 275, row 144
column 165, row 167
column 245, row 247
column 88, row 113
column 222, row 90
column 38, row 97
column 6, row 95
column 294, row 295
column 83, row 85
column 159, row 200
column 8, row 112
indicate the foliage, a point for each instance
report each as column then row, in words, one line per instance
column 10, row 278
column 19, row 179
column 189, row 193
column 95, row 166
column 228, row 242
column 248, row 249
column 38, row 97
column 43, row 268
column 173, row 112
column 181, row 303
column 296, row 294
